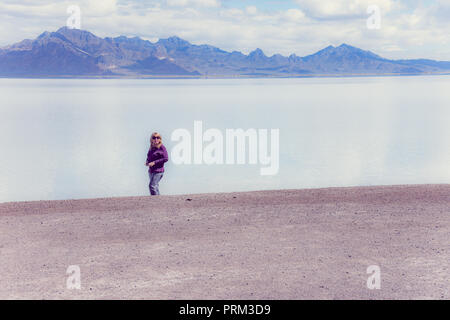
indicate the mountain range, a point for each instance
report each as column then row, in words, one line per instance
column 79, row 53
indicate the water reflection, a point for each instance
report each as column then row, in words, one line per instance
column 64, row 139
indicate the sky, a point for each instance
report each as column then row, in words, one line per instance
column 405, row 28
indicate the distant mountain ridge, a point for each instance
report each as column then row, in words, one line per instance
column 74, row 53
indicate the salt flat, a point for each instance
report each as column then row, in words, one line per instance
column 287, row 244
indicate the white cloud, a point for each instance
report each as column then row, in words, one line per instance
column 251, row 10
column 232, row 13
column 341, row 8
column 99, row 7
column 197, row 3
column 295, row 14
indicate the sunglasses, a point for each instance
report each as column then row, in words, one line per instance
column 154, row 138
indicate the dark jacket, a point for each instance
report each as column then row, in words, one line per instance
column 159, row 156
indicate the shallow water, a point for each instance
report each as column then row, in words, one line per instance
column 65, row 139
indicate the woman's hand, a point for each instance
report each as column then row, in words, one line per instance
column 151, row 164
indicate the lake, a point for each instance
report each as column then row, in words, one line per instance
column 78, row 138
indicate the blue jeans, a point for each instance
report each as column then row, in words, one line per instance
column 155, row 177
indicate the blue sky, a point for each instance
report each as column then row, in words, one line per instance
column 408, row 28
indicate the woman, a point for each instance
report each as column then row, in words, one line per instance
column 156, row 156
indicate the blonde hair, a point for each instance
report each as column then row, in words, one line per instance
column 153, row 142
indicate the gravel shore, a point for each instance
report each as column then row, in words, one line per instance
column 286, row 244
